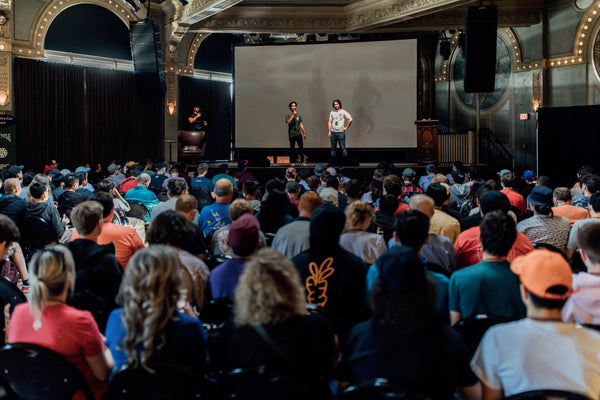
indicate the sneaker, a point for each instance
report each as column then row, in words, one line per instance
column 25, row 289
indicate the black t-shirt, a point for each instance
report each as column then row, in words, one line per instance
column 433, row 361
column 197, row 125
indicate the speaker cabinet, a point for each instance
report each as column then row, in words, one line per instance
column 147, row 57
column 480, row 49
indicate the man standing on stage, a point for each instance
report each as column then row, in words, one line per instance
column 294, row 123
column 339, row 121
column 196, row 120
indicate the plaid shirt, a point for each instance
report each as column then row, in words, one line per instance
column 410, row 189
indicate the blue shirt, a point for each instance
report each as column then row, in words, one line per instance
column 214, row 217
column 202, row 182
column 223, row 279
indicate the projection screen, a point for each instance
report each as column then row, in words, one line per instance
column 375, row 81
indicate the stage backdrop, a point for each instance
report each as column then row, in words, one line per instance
column 376, row 82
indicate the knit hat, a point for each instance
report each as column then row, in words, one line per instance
column 243, row 235
column 542, row 269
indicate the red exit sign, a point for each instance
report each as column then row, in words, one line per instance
column 524, row 117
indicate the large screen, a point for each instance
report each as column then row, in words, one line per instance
column 375, row 81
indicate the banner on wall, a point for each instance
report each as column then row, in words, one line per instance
column 8, row 145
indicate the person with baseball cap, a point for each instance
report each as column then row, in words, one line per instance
column 539, row 351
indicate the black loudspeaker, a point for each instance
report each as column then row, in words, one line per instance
column 480, row 49
column 147, row 57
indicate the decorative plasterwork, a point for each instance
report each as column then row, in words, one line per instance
column 191, row 54
column 34, row 47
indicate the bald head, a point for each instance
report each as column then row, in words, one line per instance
column 12, row 186
column 144, row 179
column 423, row 203
column 223, row 190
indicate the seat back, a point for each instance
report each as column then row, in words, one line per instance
column 137, row 210
column 548, row 394
column 217, row 311
column 259, row 383
column 35, row 372
column 165, row 381
column 202, row 196
column 9, row 294
column 190, row 140
column 375, row 389
column 472, row 329
column 37, row 232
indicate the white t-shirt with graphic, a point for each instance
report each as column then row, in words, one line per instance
column 338, row 120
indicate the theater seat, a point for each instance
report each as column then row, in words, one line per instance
column 188, row 145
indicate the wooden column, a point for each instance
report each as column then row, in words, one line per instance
column 427, row 140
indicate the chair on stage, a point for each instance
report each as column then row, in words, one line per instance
column 190, row 145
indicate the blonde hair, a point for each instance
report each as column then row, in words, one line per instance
column 269, row 290
column 50, row 269
column 238, row 208
column 149, row 293
column 357, row 212
column 423, row 203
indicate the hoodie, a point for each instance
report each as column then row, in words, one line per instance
column 13, row 207
column 583, row 306
column 48, row 213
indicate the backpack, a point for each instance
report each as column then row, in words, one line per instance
column 126, row 184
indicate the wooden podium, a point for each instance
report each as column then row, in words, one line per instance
column 427, row 140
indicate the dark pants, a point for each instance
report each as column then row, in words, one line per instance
column 296, row 139
column 338, row 137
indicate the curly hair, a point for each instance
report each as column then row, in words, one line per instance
column 357, row 213
column 149, row 293
column 269, row 291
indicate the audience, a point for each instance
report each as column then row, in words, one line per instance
column 563, row 207
column 442, row 223
column 355, row 239
column 216, row 215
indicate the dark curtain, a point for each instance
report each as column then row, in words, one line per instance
column 215, row 99
column 79, row 114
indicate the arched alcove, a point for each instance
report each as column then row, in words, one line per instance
column 215, row 52
column 89, row 29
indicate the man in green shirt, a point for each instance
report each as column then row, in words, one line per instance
column 294, row 123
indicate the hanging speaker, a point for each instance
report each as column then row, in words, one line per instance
column 480, row 49
column 147, row 57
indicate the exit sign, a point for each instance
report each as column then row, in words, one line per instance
column 524, row 117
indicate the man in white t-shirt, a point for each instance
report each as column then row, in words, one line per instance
column 540, row 351
column 339, row 121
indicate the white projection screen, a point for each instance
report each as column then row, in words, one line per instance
column 376, row 82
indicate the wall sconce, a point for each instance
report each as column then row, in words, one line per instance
column 3, row 98
column 170, row 106
column 536, row 104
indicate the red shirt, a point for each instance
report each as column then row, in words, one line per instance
column 401, row 208
column 469, row 252
column 515, row 199
column 573, row 213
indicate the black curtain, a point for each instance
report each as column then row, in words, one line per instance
column 79, row 114
column 214, row 98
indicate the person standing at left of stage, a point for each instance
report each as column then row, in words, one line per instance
column 294, row 123
column 196, row 120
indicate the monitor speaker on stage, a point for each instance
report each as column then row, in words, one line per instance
column 480, row 49
column 147, row 57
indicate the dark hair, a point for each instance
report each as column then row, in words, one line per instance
column 592, row 181
column 554, row 304
column 588, row 240
column 70, row 180
column 543, row 181
column 37, row 190
column 595, row 202
column 438, row 193
column 508, row 179
column 303, row 174
column 250, row 186
column 325, row 175
column 388, row 204
column 353, row 188
column 290, row 105
column 562, row 194
column 473, row 172
column 332, row 182
column 412, row 228
column 415, row 309
column 8, row 230
column 175, row 187
column 273, row 210
column 106, row 200
column 392, row 185
column 171, row 227
column 498, row 233
column 376, row 186
column 543, row 209
column 106, row 185
column 28, row 178
column 338, row 101
column 313, row 182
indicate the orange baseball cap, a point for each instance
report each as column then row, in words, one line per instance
column 542, row 269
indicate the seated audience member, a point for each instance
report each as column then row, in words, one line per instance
column 508, row 180
column 201, row 181
column 219, row 245
column 384, row 216
column 590, row 184
column 529, row 179
column 544, row 227
column 411, row 229
column 308, row 340
column 393, row 185
column 583, row 305
column 290, row 174
column 293, row 191
column 302, row 177
column 84, row 186
column 334, row 183
column 276, row 209
column 562, row 199
column 175, row 188
column 141, row 194
column 459, row 189
column 468, row 246
column 47, row 321
column 330, row 196
column 375, row 188
column 216, row 215
column 294, row 238
column 242, row 174
column 157, row 180
column 120, row 206
column 437, row 250
column 425, row 180
column 187, row 206
column 37, row 206
column 540, row 351
column 152, row 326
column 125, row 239
column 594, row 207
column 353, row 190
column 27, row 180
column 9, row 243
column 404, row 341
column 115, row 173
column 70, row 197
column 97, row 269
column 442, row 223
column 172, row 228
column 489, row 287
column 250, row 192
column 313, row 183
column 408, row 187
column 334, row 279
column 243, row 240
column 475, row 216
column 355, row 239
column 11, row 204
